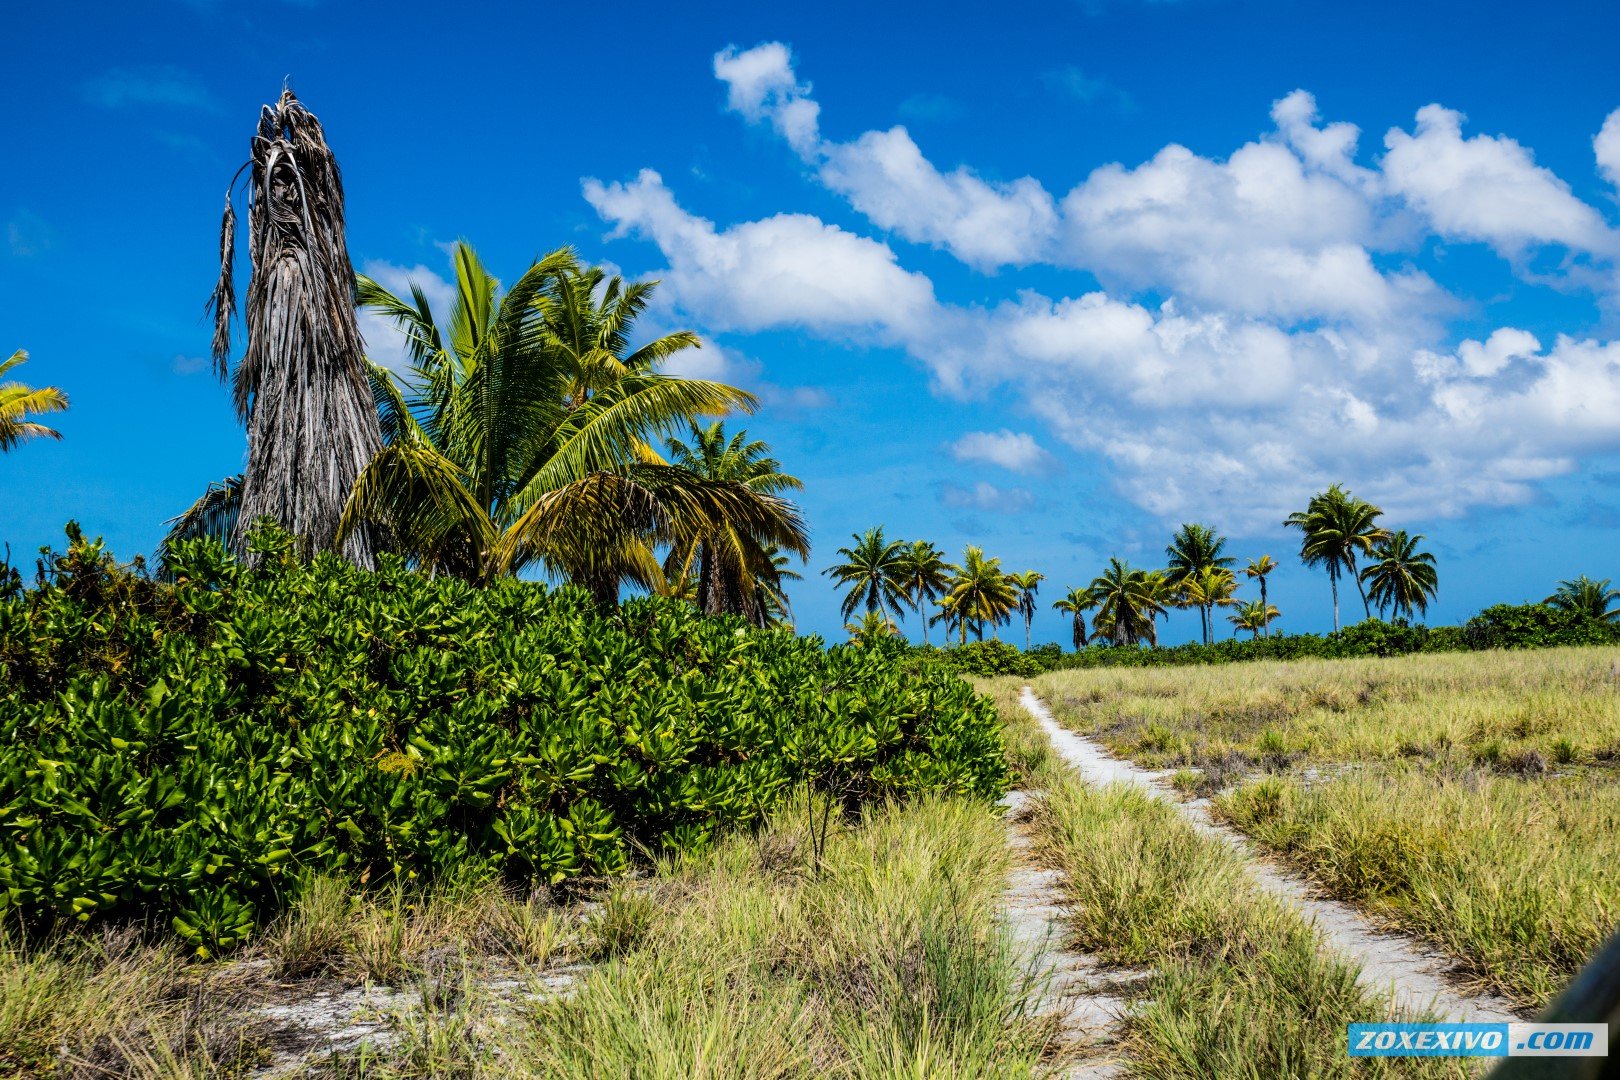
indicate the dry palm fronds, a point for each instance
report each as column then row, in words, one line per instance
column 301, row 384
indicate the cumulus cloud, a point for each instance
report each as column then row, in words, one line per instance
column 787, row 270
column 1488, row 189
column 762, row 86
column 1606, row 145
column 884, row 174
column 1015, row 451
column 1195, row 411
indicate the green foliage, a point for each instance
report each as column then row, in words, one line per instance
column 1506, row 626
column 194, row 752
column 1536, row 626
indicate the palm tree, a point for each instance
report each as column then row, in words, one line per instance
column 1403, row 577
column 301, row 384
column 1257, row 571
column 507, row 445
column 1255, row 616
column 1074, row 606
column 1028, row 584
column 1336, row 527
column 873, row 571
column 1128, row 603
column 980, row 593
column 774, row 599
column 737, row 572
column 1586, row 596
column 19, row 402
column 1193, row 549
column 1206, row 589
column 873, row 626
column 925, row 576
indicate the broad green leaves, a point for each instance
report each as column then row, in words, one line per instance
column 194, row 752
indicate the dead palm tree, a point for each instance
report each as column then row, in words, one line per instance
column 19, row 402
column 301, row 384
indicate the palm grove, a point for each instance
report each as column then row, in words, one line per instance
column 527, row 433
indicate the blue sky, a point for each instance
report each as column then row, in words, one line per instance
column 1050, row 282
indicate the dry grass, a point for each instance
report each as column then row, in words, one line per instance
column 744, row 962
column 1495, row 707
column 1468, row 798
column 1242, row 986
column 1518, row 879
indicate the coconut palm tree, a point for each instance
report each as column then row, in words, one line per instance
column 981, row 594
column 1255, row 616
column 1028, row 584
column 925, row 575
column 507, row 445
column 1128, row 603
column 737, row 572
column 301, row 384
column 1588, row 597
column 1402, row 577
column 1208, row 588
column 1193, row 549
column 1257, row 571
column 1336, row 527
column 1074, row 606
column 778, row 608
column 871, row 627
column 19, row 402
column 873, row 571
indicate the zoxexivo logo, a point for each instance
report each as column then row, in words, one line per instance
column 1479, row 1040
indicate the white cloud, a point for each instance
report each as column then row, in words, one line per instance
column 1487, row 188
column 1196, row 412
column 885, row 177
column 1013, row 451
column 988, row 497
column 1606, row 145
column 761, row 85
column 385, row 342
column 787, row 270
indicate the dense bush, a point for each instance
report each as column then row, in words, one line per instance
column 1501, row 627
column 988, row 658
column 195, row 751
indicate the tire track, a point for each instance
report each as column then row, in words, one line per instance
column 1388, row 961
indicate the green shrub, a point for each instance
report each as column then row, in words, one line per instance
column 194, row 751
column 1535, row 626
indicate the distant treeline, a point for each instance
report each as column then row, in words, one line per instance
column 1505, row 626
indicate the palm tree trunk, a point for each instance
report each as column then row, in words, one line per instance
column 1028, row 619
column 1333, row 578
column 922, row 611
column 1359, row 588
column 1264, row 605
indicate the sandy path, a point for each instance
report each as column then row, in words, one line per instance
column 1388, row 961
column 1087, row 997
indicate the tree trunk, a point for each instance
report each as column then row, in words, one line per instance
column 1264, row 606
column 922, row 613
column 1333, row 577
column 1028, row 619
column 1367, row 611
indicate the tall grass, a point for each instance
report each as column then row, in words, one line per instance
column 1562, row 704
column 1242, row 986
column 886, row 962
column 1519, row 879
column 1469, row 798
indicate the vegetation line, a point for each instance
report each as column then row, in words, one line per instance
column 1387, row 960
